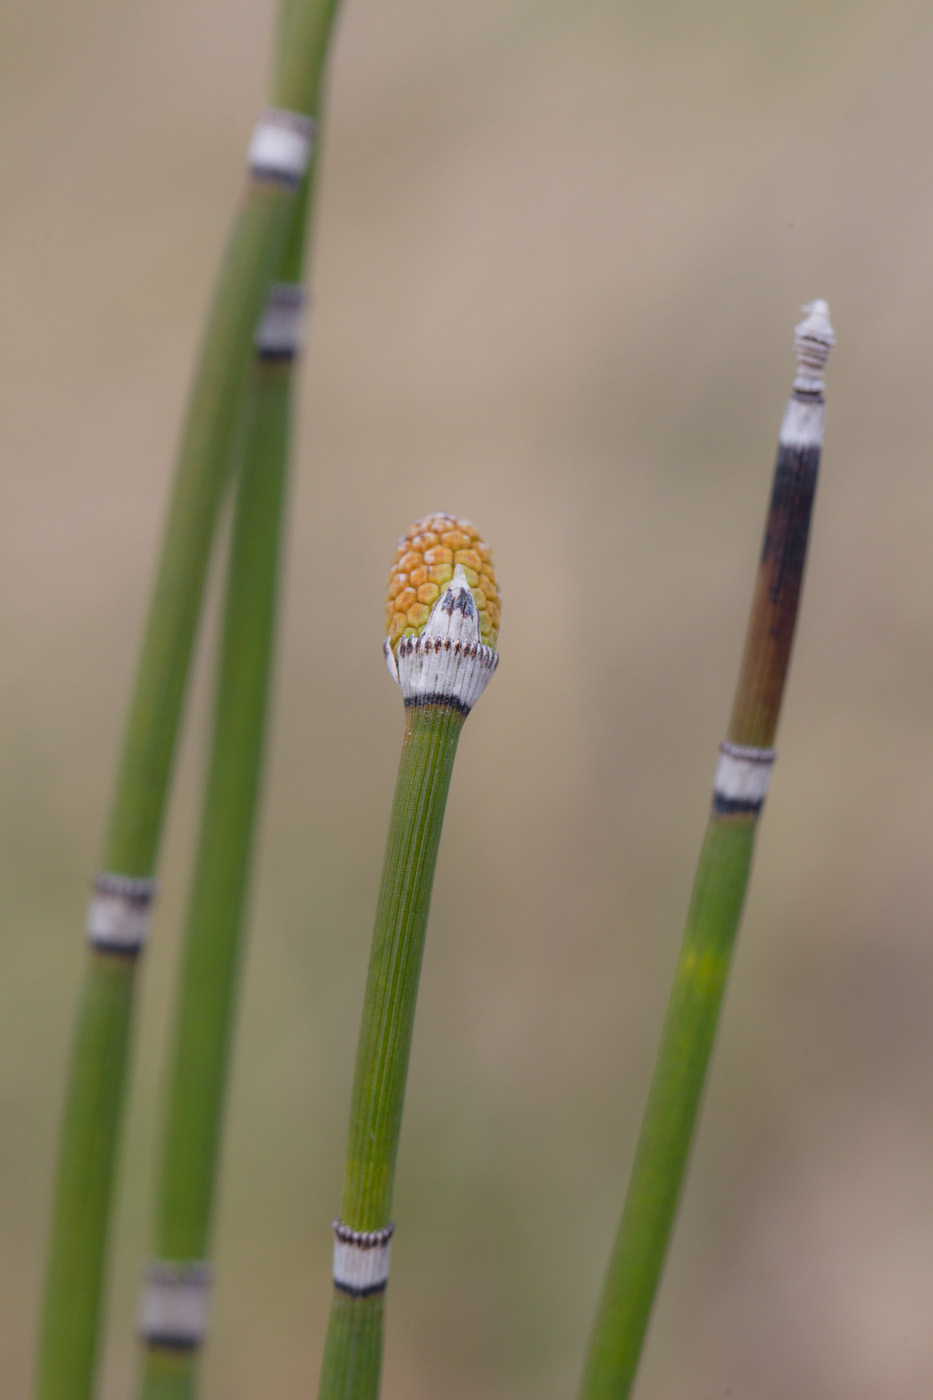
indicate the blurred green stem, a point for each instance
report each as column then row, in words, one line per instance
column 74, row 1287
column 671, row 1111
column 211, row 948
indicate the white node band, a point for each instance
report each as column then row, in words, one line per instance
column 174, row 1305
column 361, row 1259
column 281, row 146
column 743, row 776
column 119, row 912
column 279, row 333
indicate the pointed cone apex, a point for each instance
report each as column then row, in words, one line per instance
column 454, row 615
column 442, row 614
column 813, row 341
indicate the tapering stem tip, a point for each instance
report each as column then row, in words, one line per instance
column 813, row 341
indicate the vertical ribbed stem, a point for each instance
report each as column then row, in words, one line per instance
column 68, row 1342
column 353, row 1350
column 718, row 894
column 211, row 948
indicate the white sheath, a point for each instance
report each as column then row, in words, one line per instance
column 119, row 913
column 361, row 1259
column 447, row 662
column 281, row 146
column 279, row 332
column 174, row 1304
column 743, row 776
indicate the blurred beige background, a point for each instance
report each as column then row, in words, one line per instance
column 560, row 252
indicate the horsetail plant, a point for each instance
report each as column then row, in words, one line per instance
column 442, row 618
column 119, row 912
column 739, row 790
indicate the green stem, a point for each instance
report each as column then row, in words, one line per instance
column 68, row 1342
column 352, row 1355
column 85, row 1167
column 211, row 948
column 215, row 912
column 170, row 1374
column 253, row 255
column 673, row 1105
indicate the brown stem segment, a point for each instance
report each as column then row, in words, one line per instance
column 784, row 552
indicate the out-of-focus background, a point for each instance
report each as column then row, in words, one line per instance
column 560, row 251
